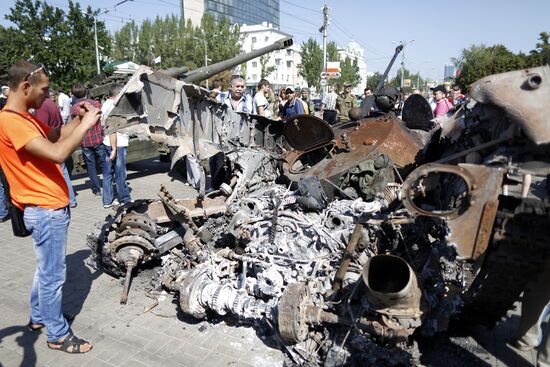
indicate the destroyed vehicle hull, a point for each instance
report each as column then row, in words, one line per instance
column 319, row 274
column 330, row 154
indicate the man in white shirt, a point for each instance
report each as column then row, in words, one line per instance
column 117, row 145
column 64, row 103
column 260, row 101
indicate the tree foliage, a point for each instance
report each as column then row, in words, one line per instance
column 478, row 61
column 44, row 34
column 416, row 80
column 350, row 71
column 177, row 42
column 312, row 62
column 541, row 54
column 266, row 69
column 372, row 81
column 332, row 52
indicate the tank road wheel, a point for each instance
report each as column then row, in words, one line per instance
column 291, row 316
column 124, row 228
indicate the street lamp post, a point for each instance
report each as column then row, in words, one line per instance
column 205, row 51
column 105, row 11
column 96, row 45
column 95, row 36
column 205, row 54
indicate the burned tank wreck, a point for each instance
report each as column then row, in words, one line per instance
column 347, row 241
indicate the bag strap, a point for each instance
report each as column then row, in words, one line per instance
column 28, row 119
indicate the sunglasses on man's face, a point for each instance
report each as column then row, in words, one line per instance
column 41, row 67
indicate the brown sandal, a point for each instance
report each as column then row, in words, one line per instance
column 70, row 342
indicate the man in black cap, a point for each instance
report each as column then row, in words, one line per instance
column 345, row 102
column 292, row 106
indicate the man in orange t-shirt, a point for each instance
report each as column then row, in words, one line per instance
column 30, row 154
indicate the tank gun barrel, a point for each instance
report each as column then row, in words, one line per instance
column 176, row 71
column 197, row 75
column 380, row 84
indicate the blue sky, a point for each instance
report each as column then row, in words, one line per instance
column 441, row 29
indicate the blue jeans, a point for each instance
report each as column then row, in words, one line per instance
column 72, row 197
column 49, row 229
column 3, row 206
column 122, row 190
column 93, row 156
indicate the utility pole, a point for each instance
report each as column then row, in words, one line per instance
column 323, row 30
column 403, row 43
column 104, row 11
column 182, row 11
column 205, row 41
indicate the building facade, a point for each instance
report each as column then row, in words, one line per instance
column 355, row 52
column 237, row 11
column 283, row 63
column 449, row 73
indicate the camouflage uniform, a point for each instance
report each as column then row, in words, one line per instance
column 344, row 104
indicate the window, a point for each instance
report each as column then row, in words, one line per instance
column 289, row 64
column 254, row 76
column 289, row 52
column 266, row 39
column 253, row 39
column 254, row 64
column 277, row 61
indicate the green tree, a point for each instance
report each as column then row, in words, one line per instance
column 124, row 42
column 332, row 52
column 372, row 81
column 265, row 69
column 177, row 42
column 416, row 80
column 312, row 62
column 541, row 54
column 477, row 62
column 350, row 71
column 64, row 42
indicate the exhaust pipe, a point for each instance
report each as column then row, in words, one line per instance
column 392, row 287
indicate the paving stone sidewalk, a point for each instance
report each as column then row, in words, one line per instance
column 139, row 334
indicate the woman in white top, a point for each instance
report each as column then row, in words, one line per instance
column 261, row 103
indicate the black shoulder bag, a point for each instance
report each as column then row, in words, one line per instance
column 16, row 214
column 17, row 222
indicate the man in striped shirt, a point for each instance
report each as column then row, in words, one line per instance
column 329, row 106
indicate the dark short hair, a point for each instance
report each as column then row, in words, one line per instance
column 79, row 91
column 217, row 84
column 114, row 90
column 20, row 71
column 263, row 82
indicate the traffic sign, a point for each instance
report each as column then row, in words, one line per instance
column 323, row 82
column 323, row 74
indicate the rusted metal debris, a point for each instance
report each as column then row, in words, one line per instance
column 292, row 241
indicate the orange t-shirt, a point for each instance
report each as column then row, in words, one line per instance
column 33, row 180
